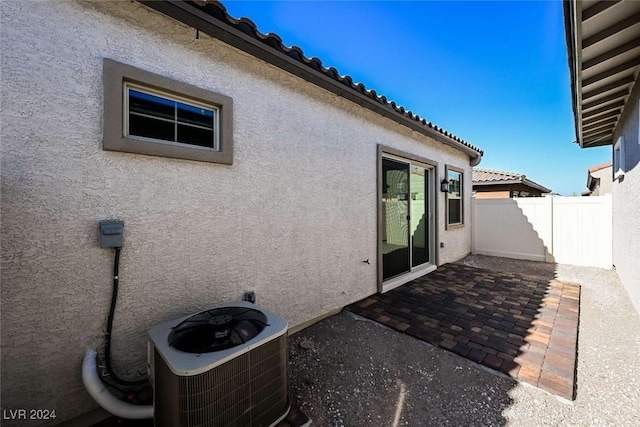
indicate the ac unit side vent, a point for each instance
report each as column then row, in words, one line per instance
column 249, row 390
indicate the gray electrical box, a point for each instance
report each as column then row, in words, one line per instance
column 111, row 233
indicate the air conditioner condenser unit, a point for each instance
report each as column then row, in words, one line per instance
column 221, row 367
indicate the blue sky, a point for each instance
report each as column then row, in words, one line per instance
column 492, row 73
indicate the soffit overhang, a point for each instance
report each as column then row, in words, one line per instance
column 603, row 40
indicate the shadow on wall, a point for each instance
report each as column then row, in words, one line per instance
column 566, row 230
column 501, row 227
column 631, row 144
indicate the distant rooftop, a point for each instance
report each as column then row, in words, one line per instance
column 492, row 177
column 600, row 167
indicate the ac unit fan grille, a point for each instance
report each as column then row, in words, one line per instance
column 250, row 390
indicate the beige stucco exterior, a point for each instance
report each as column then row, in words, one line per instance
column 505, row 191
column 626, row 202
column 292, row 219
column 493, row 194
column 605, row 183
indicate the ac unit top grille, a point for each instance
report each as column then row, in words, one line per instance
column 217, row 329
column 183, row 363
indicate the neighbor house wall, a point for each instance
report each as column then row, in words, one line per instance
column 503, row 194
column 292, row 219
column 503, row 191
column 605, row 184
column 626, row 203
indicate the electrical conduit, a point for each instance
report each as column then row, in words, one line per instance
column 104, row 398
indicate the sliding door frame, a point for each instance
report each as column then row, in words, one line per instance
column 394, row 154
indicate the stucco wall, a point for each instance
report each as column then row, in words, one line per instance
column 292, row 219
column 626, row 204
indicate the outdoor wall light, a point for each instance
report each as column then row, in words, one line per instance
column 444, row 185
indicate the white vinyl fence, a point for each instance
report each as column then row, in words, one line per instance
column 565, row 230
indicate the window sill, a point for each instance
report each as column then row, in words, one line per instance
column 454, row 226
column 167, row 149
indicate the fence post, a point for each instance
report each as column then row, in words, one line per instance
column 549, row 255
column 474, row 225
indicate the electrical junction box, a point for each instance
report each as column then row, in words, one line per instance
column 111, row 233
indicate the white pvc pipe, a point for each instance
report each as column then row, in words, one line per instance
column 104, row 398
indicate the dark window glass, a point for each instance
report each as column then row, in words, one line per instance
column 151, row 128
column 395, row 218
column 195, row 136
column 143, row 103
column 152, row 116
column 455, row 212
column 419, row 220
column 195, row 115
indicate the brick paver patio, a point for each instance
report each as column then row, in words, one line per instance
column 524, row 326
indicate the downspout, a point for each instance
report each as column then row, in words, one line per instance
column 104, row 398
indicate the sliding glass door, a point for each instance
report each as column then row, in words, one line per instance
column 419, row 216
column 395, row 218
column 406, row 202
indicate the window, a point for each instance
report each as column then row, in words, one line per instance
column 154, row 116
column 454, row 197
column 618, row 159
column 149, row 114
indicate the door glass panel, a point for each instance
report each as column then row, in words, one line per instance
column 419, row 218
column 395, row 222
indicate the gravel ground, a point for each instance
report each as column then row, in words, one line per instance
column 360, row 373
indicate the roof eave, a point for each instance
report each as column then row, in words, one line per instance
column 603, row 57
column 198, row 19
column 500, row 182
column 535, row 185
column 523, row 181
column 574, row 47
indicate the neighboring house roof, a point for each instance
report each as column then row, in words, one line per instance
column 211, row 17
column 599, row 167
column 490, row 177
column 604, row 57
